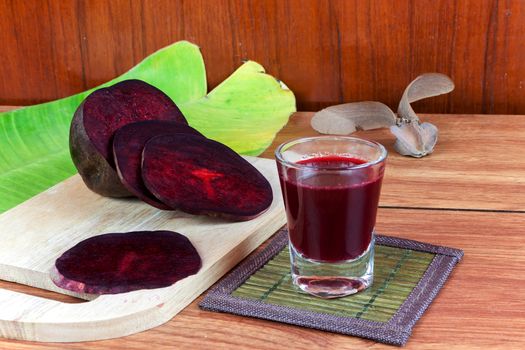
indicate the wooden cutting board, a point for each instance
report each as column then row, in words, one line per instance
column 38, row 231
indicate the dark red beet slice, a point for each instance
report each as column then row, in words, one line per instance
column 122, row 262
column 100, row 115
column 202, row 176
column 128, row 144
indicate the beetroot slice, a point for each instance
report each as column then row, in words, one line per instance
column 108, row 109
column 122, row 262
column 128, row 144
column 201, row 176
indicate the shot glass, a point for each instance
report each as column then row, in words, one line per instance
column 331, row 187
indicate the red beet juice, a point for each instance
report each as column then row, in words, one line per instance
column 331, row 215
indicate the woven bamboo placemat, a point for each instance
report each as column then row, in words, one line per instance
column 407, row 277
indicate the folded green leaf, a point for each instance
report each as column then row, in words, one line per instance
column 244, row 112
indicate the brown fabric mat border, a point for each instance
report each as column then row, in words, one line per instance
column 396, row 331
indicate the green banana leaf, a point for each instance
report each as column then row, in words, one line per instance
column 244, row 112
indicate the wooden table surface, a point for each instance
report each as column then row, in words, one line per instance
column 469, row 194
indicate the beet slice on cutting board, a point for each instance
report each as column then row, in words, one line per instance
column 100, row 115
column 128, row 144
column 201, row 176
column 122, row 262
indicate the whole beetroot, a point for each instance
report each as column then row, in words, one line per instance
column 98, row 117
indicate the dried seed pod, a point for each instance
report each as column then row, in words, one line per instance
column 424, row 86
column 415, row 139
column 347, row 118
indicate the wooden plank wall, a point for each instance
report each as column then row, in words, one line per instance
column 327, row 51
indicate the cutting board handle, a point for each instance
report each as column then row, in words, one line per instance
column 28, row 317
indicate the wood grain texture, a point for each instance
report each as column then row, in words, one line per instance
column 68, row 213
column 327, row 52
column 478, row 163
column 481, row 306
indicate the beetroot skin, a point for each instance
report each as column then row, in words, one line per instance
column 128, row 144
column 201, row 176
column 100, row 115
column 122, row 262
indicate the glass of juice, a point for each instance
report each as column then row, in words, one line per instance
column 331, row 187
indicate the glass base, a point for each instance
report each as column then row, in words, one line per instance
column 333, row 280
